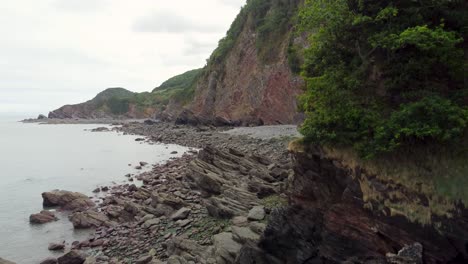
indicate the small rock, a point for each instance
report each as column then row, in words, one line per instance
column 144, row 259
column 142, row 163
column 174, row 152
column 257, row 213
column 183, row 223
column 182, row 213
column 132, row 188
column 239, row 221
column 56, row 246
column 151, row 222
column 43, row 217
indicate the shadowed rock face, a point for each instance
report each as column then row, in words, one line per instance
column 327, row 222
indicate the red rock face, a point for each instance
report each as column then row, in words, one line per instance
column 246, row 89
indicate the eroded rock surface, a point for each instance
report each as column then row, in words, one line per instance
column 67, row 200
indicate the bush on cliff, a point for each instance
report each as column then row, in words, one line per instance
column 383, row 75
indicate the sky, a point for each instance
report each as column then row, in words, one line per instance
column 56, row 52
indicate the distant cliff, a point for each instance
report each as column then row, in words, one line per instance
column 121, row 103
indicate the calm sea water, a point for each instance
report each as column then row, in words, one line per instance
column 36, row 158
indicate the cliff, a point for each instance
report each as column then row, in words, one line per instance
column 248, row 79
column 112, row 102
column 341, row 211
column 121, row 103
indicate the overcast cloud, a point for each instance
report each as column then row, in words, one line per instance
column 55, row 52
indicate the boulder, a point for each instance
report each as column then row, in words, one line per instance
column 151, row 222
column 56, row 246
column 88, row 219
column 165, row 199
column 226, row 248
column 67, row 200
column 257, row 213
column 72, row 257
column 244, row 235
column 41, row 116
column 90, row 260
column 49, row 261
column 42, row 217
column 182, row 213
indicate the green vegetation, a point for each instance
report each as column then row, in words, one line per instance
column 270, row 19
column 182, row 81
column 384, row 75
column 180, row 89
column 274, row 201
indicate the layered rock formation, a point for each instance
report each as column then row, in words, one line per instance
column 329, row 219
column 248, row 87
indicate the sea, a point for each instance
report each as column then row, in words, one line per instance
column 35, row 158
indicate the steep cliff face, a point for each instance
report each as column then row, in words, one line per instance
column 332, row 218
column 253, row 83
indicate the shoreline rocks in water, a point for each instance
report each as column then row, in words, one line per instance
column 42, row 217
column 67, row 200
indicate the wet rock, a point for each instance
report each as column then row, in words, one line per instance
column 42, row 217
column 67, row 200
column 105, row 189
column 89, row 219
column 56, row 246
column 174, row 152
column 142, row 163
column 97, row 190
column 257, row 213
column 182, row 213
column 139, row 139
column 100, row 129
column 72, row 257
column 47, row 261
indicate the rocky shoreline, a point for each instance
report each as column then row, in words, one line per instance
column 200, row 208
